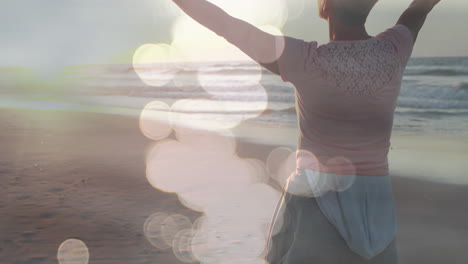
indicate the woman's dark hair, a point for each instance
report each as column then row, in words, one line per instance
column 350, row 12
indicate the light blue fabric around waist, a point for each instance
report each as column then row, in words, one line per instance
column 362, row 208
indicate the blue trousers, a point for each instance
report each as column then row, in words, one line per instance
column 304, row 235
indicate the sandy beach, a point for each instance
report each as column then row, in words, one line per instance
column 83, row 175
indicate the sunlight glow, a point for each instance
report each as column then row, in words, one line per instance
column 204, row 170
column 201, row 164
column 336, row 174
column 203, row 114
column 258, row 12
column 220, row 112
column 229, row 79
column 235, row 229
column 198, row 43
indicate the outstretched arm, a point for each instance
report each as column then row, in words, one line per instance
column 257, row 44
column 415, row 16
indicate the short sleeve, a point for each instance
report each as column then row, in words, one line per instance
column 296, row 56
column 402, row 39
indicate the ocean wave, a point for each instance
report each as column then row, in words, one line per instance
column 437, row 106
column 431, row 112
column 436, row 72
column 228, row 72
column 461, row 86
column 289, row 110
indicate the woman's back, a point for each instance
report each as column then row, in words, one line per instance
column 346, row 95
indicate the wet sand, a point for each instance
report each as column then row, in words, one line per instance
column 82, row 175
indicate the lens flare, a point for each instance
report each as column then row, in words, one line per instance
column 154, row 64
column 340, row 183
column 152, row 229
column 73, row 251
column 318, row 182
column 225, row 239
column 208, row 176
column 298, row 185
column 279, row 44
column 155, row 120
column 217, row 113
column 259, row 12
column 340, row 165
column 344, row 173
column 275, row 158
column 172, row 225
column 203, row 114
column 182, row 246
column 281, row 162
column 199, row 44
column 197, row 225
column 307, row 159
column 164, row 157
column 219, row 141
column 190, row 169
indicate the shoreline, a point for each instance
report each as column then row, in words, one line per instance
column 82, row 175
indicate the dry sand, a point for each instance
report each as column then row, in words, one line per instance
column 81, row 175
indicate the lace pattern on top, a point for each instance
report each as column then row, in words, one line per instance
column 358, row 68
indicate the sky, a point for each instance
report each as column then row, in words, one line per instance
column 49, row 34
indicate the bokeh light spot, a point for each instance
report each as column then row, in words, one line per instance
column 343, row 175
column 203, row 169
column 154, row 64
column 218, row 113
column 198, row 43
column 182, row 246
column 281, row 162
column 319, row 182
column 275, row 158
column 153, row 230
column 197, row 225
column 203, row 114
column 340, row 165
column 172, row 225
column 187, row 202
column 307, row 159
column 155, row 121
column 163, row 158
column 219, row 141
column 73, row 251
column 273, row 55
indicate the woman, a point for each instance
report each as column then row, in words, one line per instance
column 338, row 205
